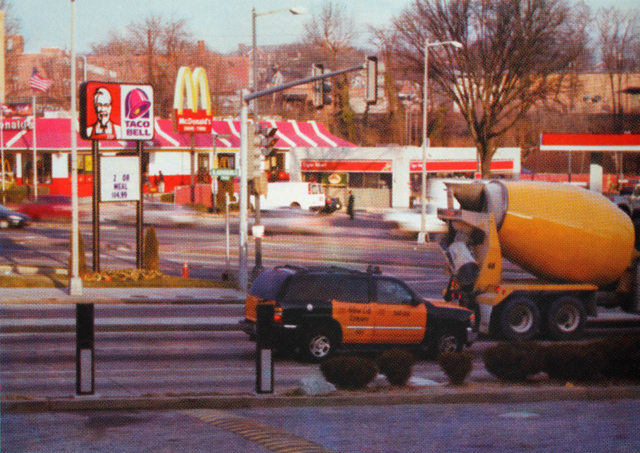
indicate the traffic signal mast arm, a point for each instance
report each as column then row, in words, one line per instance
column 326, row 75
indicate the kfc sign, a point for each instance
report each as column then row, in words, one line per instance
column 114, row 111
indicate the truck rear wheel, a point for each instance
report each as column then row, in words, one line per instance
column 566, row 318
column 519, row 319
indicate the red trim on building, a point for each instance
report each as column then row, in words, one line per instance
column 377, row 166
column 463, row 165
column 590, row 142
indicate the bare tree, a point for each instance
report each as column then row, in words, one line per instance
column 330, row 39
column 619, row 36
column 164, row 44
column 11, row 27
column 332, row 32
column 385, row 40
column 514, row 56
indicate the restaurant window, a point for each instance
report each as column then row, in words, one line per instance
column 226, row 160
column 365, row 180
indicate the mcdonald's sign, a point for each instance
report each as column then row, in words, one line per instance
column 190, row 88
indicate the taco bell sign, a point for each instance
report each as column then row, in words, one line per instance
column 116, row 111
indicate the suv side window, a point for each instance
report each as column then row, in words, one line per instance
column 327, row 287
column 268, row 284
column 311, row 288
column 351, row 289
column 392, row 292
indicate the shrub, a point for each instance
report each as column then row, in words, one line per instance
column 151, row 257
column 396, row 365
column 514, row 361
column 349, row 372
column 622, row 356
column 574, row 362
column 456, row 365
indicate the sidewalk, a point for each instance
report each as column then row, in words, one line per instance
column 121, row 295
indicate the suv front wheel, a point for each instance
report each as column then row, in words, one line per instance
column 319, row 344
column 445, row 340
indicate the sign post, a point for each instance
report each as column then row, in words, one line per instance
column 116, row 111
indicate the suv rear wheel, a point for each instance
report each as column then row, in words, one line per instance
column 319, row 344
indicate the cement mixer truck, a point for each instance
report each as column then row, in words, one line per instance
column 576, row 247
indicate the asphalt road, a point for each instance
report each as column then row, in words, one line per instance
column 574, row 426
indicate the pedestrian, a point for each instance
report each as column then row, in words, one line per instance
column 160, row 182
column 350, row 202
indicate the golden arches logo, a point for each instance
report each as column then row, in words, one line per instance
column 190, row 88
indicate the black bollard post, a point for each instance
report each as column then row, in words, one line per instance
column 85, row 357
column 264, row 349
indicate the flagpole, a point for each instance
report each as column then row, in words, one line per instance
column 35, row 156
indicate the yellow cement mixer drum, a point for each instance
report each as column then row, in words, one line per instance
column 565, row 233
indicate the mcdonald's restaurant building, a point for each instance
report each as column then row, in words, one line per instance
column 305, row 151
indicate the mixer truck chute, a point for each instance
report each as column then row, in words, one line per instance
column 577, row 245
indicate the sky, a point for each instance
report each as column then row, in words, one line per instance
column 221, row 24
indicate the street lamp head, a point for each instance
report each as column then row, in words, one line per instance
column 456, row 44
column 298, row 10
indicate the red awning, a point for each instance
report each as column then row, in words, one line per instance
column 53, row 134
column 590, row 142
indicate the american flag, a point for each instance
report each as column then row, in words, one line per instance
column 37, row 82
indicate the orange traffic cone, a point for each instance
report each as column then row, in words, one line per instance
column 185, row 270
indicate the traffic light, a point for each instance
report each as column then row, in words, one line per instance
column 326, row 89
column 316, row 70
column 268, row 140
column 254, row 155
column 371, row 67
column 321, row 88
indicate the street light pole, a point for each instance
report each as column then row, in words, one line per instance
column 243, row 274
column 422, row 236
column 75, row 282
column 254, row 46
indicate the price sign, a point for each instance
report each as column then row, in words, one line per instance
column 120, row 178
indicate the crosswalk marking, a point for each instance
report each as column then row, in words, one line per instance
column 274, row 439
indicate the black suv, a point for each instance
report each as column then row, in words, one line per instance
column 318, row 309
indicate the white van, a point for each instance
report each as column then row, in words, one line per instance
column 304, row 195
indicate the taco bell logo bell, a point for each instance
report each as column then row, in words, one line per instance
column 137, row 112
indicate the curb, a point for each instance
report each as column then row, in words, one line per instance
column 68, row 325
column 448, row 396
column 141, row 299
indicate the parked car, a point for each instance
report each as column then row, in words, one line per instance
column 622, row 199
column 320, row 309
column 13, row 219
column 49, row 207
column 331, row 205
